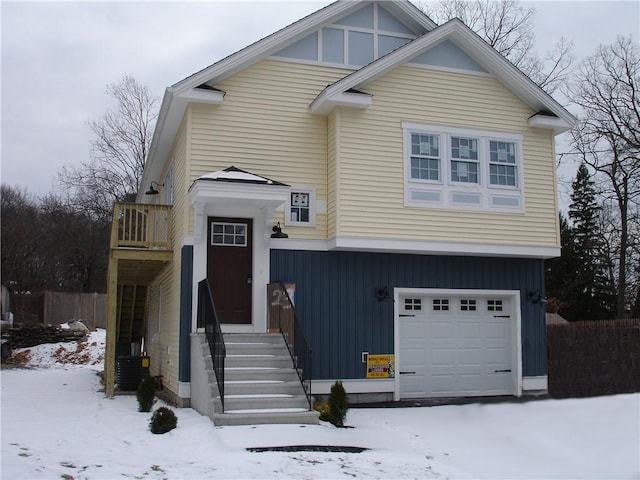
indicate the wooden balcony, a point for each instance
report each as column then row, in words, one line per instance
column 140, row 249
column 140, row 241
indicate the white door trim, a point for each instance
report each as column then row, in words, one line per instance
column 514, row 295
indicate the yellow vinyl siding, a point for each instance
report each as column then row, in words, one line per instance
column 162, row 346
column 332, row 160
column 164, row 351
column 371, row 200
column 264, row 126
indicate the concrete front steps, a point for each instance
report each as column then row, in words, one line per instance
column 261, row 385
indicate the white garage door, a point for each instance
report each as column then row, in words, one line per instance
column 454, row 345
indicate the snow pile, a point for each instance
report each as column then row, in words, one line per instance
column 88, row 352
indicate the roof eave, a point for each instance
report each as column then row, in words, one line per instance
column 468, row 41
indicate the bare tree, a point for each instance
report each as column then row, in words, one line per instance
column 118, row 152
column 607, row 138
column 508, row 27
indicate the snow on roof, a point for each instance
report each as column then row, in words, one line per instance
column 233, row 174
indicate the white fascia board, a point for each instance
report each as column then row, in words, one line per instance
column 210, row 97
column 413, row 12
column 558, row 125
column 290, row 34
column 207, row 191
column 442, row 248
column 342, row 99
column 153, row 167
column 456, row 31
column 266, row 46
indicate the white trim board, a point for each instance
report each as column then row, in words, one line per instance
column 418, row 247
column 323, row 387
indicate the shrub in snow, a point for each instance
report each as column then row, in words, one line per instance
column 323, row 409
column 338, row 404
column 163, row 420
column 145, row 393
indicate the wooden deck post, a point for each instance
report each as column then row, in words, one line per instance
column 112, row 334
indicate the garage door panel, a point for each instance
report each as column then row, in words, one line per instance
column 461, row 350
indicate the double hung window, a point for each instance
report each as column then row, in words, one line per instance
column 462, row 168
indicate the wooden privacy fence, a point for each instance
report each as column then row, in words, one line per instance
column 61, row 307
column 54, row 308
column 594, row 358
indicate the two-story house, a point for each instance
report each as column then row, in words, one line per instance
column 411, row 168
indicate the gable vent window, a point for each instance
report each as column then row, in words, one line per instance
column 494, row 305
column 440, row 305
column 468, row 305
column 301, row 208
column 414, row 304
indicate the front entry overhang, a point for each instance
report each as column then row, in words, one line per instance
column 236, row 194
column 231, row 191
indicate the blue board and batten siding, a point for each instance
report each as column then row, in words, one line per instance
column 336, row 304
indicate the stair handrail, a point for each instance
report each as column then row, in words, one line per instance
column 282, row 317
column 208, row 318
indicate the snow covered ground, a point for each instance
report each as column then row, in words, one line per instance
column 57, row 423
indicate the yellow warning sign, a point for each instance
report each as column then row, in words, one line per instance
column 381, row 366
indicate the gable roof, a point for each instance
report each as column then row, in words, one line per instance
column 469, row 42
column 236, row 175
column 177, row 97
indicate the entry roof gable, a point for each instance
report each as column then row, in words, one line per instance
column 470, row 43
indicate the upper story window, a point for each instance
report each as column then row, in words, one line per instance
column 464, row 160
column 462, row 168
column 301, row 208
column 425, row 157
column 502, row 163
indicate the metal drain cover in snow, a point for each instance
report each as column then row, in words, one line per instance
column 309, row 448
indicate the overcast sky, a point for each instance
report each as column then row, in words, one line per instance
column 58, row 57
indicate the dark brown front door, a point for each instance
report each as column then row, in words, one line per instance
column 229, row 268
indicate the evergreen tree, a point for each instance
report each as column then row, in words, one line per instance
column 561, row 271
column 587, row 294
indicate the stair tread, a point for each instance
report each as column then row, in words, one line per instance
column 260, row 395
column 251, row 368
column 252, row 382
column 266, row 410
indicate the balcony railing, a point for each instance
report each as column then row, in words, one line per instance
column 138, row 225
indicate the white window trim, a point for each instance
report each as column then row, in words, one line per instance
column 168, row 186
column 445, row 189
column 313, row 207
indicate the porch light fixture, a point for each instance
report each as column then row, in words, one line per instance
column 152, row 190
column 278, row 233
column 382, row 294
column 536, row 297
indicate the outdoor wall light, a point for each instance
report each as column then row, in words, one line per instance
column 536, row 297
column 277, row 232
column 381, row 293
column 152, row 190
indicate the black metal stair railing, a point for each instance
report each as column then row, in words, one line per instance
column 208, row 319
column 283, row 318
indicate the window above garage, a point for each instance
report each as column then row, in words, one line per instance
column 462, row 168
